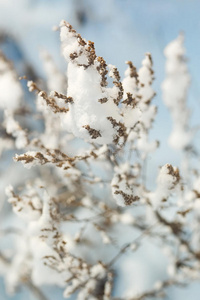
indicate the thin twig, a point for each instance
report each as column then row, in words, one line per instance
column 128, row 245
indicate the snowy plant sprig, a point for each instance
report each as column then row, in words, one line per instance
column 11, row 96
column 94, row 114
column 138, row 111
column 175, row 91
column 87, row 204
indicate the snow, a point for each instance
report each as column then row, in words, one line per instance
column 86, row 110
column 9, row 86
column 84, row 86
column 167, row 181
column 175, row 89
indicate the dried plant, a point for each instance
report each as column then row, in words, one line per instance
column 86, row 146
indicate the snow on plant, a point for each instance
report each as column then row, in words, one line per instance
column 85, row 185
column 175, row 88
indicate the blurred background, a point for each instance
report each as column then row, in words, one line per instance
column 121, row 30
